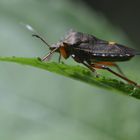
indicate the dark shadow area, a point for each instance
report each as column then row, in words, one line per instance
column 125, row 14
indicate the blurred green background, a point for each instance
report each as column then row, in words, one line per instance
column 35, row 104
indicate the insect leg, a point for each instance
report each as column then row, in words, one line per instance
column 91, row 68
column 59, row 59
column 113, row 65
column 119, row 69
column 45, row 58
column 121, row 76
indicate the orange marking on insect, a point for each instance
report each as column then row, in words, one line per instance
column 100, row 64
column 63, row 52
column 107, row 63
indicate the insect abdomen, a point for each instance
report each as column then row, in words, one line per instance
column 104, row 51
column 110, row 57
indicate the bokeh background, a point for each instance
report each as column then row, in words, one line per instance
column 36, row 104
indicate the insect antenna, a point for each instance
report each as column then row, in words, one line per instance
column 42, row 39
column 36, row 34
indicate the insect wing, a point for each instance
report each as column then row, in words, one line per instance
column 103, row 51
column 106, row 49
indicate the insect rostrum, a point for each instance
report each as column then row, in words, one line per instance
column 92, row 52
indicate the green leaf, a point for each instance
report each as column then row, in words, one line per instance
column 79, row 73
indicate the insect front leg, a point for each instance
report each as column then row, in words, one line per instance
column 47, row 57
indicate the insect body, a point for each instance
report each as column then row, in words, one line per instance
column 92, row 52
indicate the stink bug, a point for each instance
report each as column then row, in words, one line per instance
column 91, row 52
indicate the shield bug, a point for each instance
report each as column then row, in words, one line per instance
column 92, row 52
